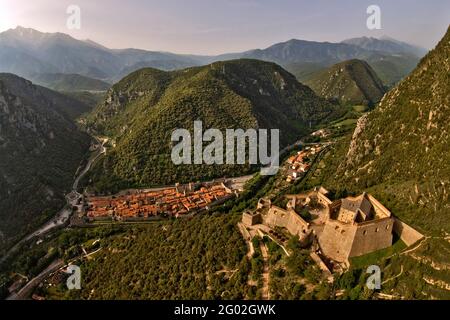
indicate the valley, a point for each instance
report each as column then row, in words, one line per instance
column 87, row 178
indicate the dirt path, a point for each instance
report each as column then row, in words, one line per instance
column 265, row 274
column 417, row 246
column 394, row 277
column 248, row 240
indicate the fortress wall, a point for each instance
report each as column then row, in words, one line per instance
column 380, row 210
column 277, row 217
column 333, row 208
column 323, row 199
column 296, row 196
column 264, row 203
column 336, row 240
column 372, row 236
column 296, row 225
column 408, row 234
column 251, row 219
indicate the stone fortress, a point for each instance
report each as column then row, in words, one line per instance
column 338, row 230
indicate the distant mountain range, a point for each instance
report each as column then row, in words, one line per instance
column 69, row 82
column 40, row 150
column 351, row 82
column 27, row 52
column 386, row 44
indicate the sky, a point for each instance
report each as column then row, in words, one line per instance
column 222, row 26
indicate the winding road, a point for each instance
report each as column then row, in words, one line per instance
column 64, row 214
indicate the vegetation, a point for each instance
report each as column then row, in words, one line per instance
column 350, row 82
column 40, row 150
column 142, row 110
column 70, row 82
column 295, row 277
column 202, row 258
column 399, row 153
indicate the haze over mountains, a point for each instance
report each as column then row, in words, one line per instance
column 69, row 82
column 27, row 52
column 387, row 44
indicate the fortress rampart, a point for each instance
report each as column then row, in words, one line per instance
column 408, row 234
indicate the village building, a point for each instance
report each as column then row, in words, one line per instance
column 141, row 204
column 300, row 163
column 322, row 133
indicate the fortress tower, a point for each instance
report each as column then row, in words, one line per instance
column 356, row 226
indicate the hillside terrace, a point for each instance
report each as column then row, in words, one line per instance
column 145, row 204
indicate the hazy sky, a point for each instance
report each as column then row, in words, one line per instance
column 219, row 26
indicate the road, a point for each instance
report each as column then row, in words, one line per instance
column 102, row 150
column 64, row 214
column 25, row 292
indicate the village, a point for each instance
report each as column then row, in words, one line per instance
column 176, row 201
column 300, row 163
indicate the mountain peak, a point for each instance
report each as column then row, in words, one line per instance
column 22, row 31
column 351, row 82
column 386, row 44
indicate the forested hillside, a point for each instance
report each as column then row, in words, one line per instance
column 350, row 82
column 141, row 111
column 399, row 153
column 40, row 151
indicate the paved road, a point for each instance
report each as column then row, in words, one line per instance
column 64, row 214
column 100, row 151
column 25, row 292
